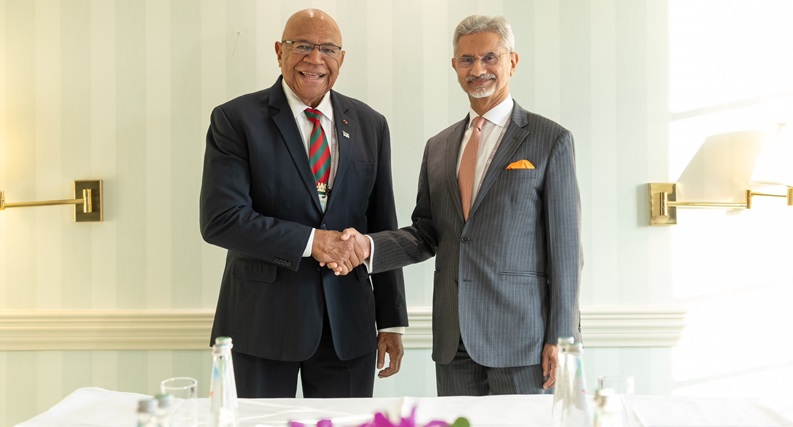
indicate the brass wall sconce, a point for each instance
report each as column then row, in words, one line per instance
column 87, row 201
column 724, row 170
column 664, row 203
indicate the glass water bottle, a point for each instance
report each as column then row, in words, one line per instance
column 561, row 386
column 570, row 404
column 223, row 388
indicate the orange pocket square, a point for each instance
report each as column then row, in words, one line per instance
column 520, row 164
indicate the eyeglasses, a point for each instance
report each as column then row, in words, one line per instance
column 488, row 60
column 305, row 48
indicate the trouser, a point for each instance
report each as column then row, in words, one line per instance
column 464, row 377
column 322, row 375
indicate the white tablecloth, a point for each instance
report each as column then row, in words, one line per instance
column 98, row 407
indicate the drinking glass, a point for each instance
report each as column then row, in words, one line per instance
column 185, row 402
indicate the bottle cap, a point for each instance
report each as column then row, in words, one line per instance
column 606, row 399
column 147, row 405
column 222, row 345
column 223, row 341
column 563, row 341
column 568, row 345
column 575, row 347
column 602, row 395
column 164, row 401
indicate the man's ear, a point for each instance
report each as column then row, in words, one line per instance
column 278, row 52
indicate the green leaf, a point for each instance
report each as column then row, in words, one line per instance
column 461, row 422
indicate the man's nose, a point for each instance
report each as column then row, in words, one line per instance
column 315, row 57
column 478, row 68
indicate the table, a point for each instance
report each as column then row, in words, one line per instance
column 98, row 407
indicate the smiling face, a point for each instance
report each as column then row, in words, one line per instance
column 486, row 85
column 311, row 75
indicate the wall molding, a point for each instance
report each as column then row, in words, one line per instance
column 35, row 330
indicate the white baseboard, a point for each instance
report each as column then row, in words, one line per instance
column 33, row 330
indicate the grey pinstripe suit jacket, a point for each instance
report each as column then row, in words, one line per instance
column 507, row 280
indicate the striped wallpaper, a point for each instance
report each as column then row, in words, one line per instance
column 121, row 90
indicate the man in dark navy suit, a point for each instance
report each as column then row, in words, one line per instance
column 283, row 168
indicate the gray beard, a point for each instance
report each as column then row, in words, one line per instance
column 483, row 92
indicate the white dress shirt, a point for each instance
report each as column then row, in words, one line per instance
column 496, row 122
column 305, row 126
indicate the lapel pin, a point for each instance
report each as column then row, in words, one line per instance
column 345, row 121
column 346, row 135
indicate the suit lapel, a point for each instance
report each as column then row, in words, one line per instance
column 291, row 136
column 346, row 133
column 515, row 135
column 452, row 152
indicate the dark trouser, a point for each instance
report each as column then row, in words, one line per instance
column 464, row 377
column 323, row 375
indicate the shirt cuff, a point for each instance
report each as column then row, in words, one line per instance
column 368, row 261
column 307, row 250
column 396, row 330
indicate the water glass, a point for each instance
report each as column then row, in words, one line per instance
column 185, row 403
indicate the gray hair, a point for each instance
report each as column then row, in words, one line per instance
column 481, row 24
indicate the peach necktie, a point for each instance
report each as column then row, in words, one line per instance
column 465, row 177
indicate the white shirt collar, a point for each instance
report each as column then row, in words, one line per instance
column 498, row 115
column 298, row 107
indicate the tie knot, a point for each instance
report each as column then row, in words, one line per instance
column 478, row 122
column 312, row 113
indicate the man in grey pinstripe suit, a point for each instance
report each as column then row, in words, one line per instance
column 507, row 273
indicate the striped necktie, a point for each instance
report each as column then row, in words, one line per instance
column 318, row 154
column 465, row 177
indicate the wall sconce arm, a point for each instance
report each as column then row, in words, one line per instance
column 87, row 202
column 664, row 204
column 788, row 196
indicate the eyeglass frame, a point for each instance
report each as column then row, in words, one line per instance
column 481, row 59
column 314, row 46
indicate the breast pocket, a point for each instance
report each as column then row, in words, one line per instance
column 520, row 174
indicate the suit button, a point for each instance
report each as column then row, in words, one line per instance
column 466, row 239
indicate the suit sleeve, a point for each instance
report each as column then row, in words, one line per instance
column 412, row 244
column 565, row 255
column 227, row 216
column 389, row 286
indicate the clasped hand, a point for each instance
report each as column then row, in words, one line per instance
column 340, row 251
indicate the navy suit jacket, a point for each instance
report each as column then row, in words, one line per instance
column 259, row 201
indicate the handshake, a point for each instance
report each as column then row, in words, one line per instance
column 340, row 251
